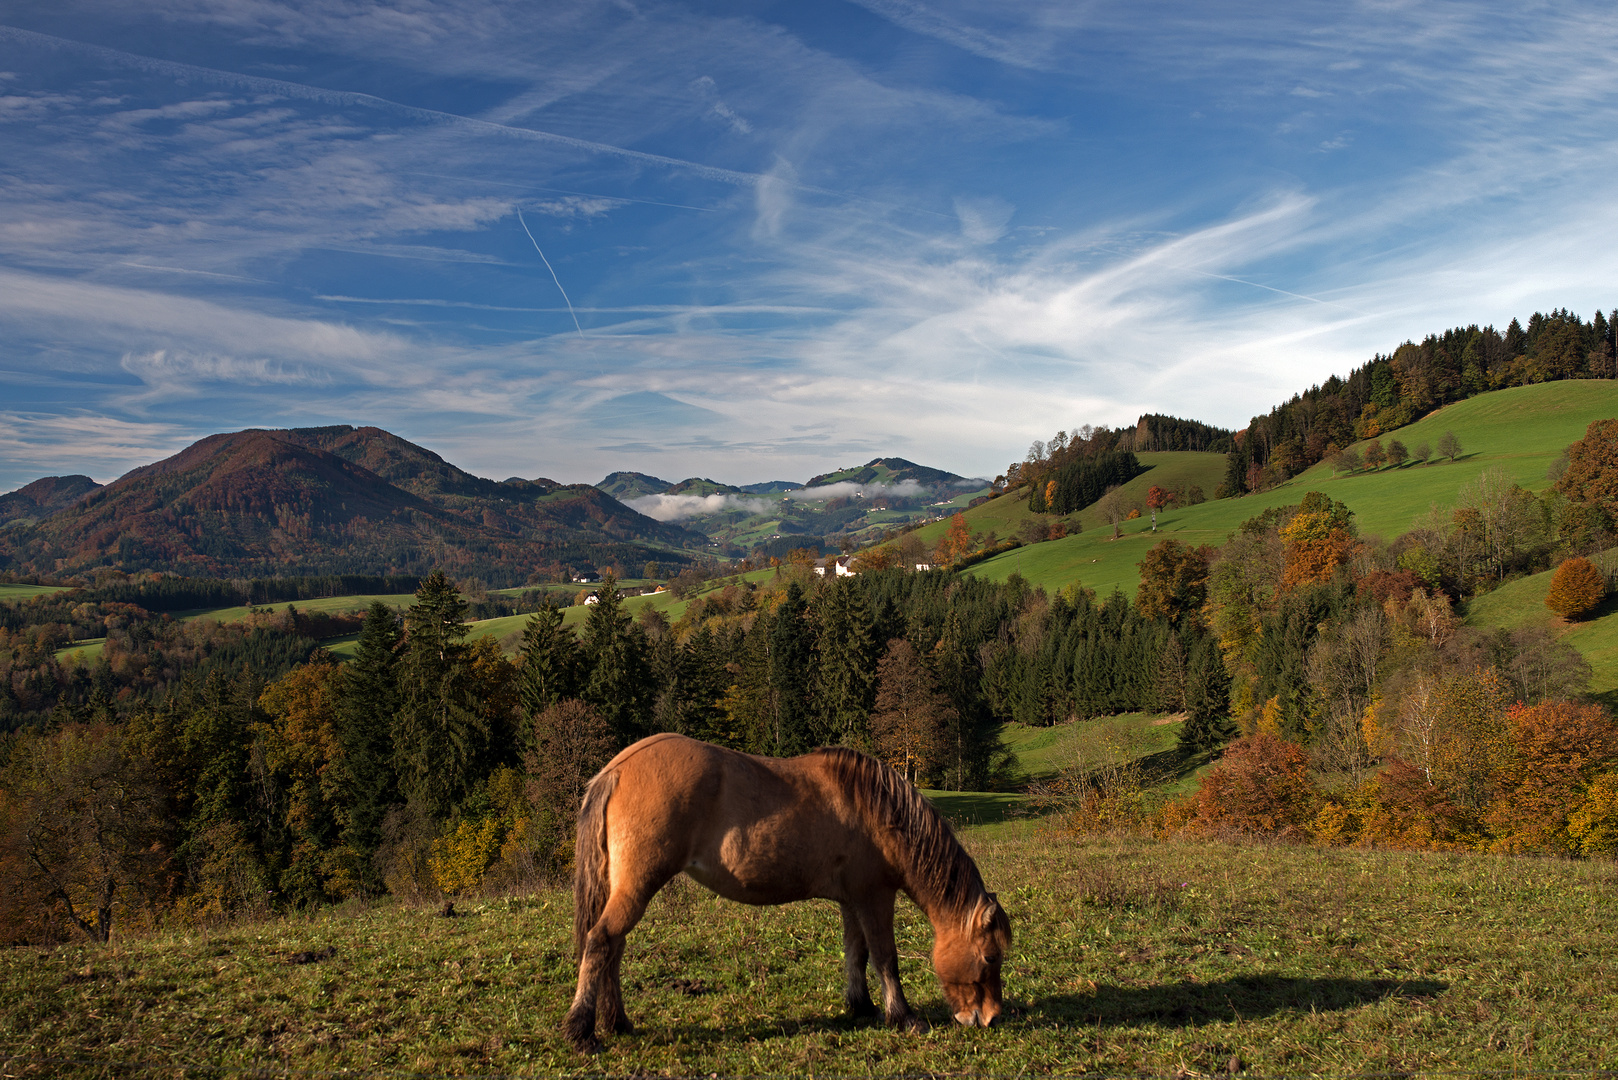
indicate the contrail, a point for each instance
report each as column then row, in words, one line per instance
column 548, row 266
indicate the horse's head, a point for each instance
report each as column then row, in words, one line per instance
column 967, row 957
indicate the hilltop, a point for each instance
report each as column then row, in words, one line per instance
column 329, row 500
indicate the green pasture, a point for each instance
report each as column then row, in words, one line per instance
column 28, row 592
column 1522, row 430
column 81, row 651
column 331, row 605
column 1521, row 603
column 1132, row 957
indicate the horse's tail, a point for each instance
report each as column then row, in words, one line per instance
column 590, row 884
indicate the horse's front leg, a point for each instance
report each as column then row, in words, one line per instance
column 876, row 921
column 857, row 992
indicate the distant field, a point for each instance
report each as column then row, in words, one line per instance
column 326, row 604
column 28, row 592
column 82, row 651
column 1522, row 430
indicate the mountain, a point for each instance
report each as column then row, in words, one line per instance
column 333, row 500
column 892, row 470
column 43, row 498
column 631, row 485
column 771, row 487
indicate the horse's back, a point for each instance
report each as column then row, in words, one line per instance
column 754, row 829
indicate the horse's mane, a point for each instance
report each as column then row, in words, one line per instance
column 938, row 869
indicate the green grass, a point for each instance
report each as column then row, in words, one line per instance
column 81, row 651
column 326, row 604
column 28, row 592
column 1521, row 430
column 1132, row 957
column 1521, row 603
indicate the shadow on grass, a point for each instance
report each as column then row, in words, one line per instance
column 1170, row 1005
column 1246, row 997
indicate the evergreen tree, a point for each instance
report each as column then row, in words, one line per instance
column 441, row 737
column 618, row 680
column 791, row 658
column 848, row 653
column 367, row 702
column 548, row 664
column 1207, row 698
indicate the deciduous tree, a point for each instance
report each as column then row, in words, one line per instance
column 1577, row 587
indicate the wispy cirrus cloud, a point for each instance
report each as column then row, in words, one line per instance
column 939, row 229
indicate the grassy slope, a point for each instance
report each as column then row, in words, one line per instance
column 1132, row 958
column 1522, row 603
column 1522, row 430
column 28, row 592
column 328, row 604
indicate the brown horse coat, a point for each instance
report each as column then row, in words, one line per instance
column 831, row 824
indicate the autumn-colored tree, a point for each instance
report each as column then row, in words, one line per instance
column 1260, row 786
column 1374, row 454
column 1315, row 546
column 1397, row 454
column 912, row 715
column 957, row 541
column 82, row 837
column 571, row 742
column 1592, row 467
column 1156, row 499
column 1556, row 749
column 1173, row 580
column 1576, row 588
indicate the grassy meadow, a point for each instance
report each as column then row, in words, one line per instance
column 27, row 592
column 1133, row 957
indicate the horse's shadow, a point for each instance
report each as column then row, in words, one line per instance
column 1245, row 997
column 1170, row 1005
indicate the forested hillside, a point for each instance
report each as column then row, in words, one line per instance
column 335, row 500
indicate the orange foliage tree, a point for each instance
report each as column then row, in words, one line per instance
column 1576, row 587
column 1315, row 548
column 1261, row 785
column 1557, row 749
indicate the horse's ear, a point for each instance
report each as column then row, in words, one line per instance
column 987, row 910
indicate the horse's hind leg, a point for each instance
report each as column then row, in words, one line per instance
column 599, row 982
column 876, row 921
column 857, row 991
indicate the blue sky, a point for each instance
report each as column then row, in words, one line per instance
column 792, row 236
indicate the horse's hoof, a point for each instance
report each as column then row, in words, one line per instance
column 861, row 1009
column 623, row 1026
column 917, row 1026
column 581, row 1033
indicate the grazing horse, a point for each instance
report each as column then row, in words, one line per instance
column 832, row 824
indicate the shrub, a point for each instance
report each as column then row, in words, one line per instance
column 1593, row 826
column 1576, row 588
column 1261, row 786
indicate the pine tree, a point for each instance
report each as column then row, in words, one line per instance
column 441, row 736
column 367, row 701
column 791, row 657
column 847, row 649
column 548, row 663
column 1207, row 698
column 617, row 680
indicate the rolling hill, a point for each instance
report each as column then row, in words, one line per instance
column 1522, row 430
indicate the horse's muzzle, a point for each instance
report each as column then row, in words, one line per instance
column 975, row 1018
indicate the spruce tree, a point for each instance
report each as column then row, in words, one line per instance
column 1207, row 698
column 441, row 738
column 549, row 664
column 367, row 704
column 617, row 680
column 791, row 657
column 848, row 655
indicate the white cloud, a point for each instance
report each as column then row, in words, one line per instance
column 684, row 507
